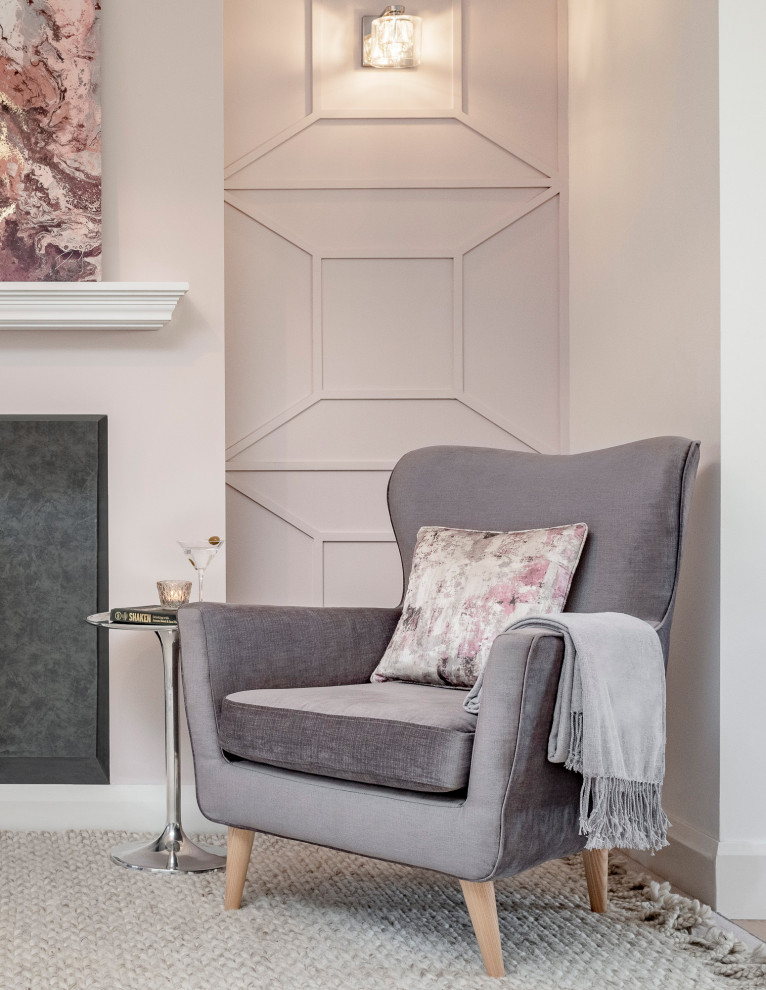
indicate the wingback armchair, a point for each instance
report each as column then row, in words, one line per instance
column 290, row 737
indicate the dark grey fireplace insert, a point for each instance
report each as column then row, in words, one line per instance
column 54, row 688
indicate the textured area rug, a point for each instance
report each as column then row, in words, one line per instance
column 315, row 919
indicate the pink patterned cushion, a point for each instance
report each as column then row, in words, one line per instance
column 466, row 586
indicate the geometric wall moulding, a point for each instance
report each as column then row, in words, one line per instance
column 311, row 564
column 422, row 153
column 264, row 39
column 265, row 538
column 351, row 338
column 268, row 323
column 511, row 310
column 370, row 430
column 511, row 64
column 326, row 501
column 387, row 323
column 382, row 223
column 393, row 260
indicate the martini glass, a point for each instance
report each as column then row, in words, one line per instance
column 199, row 553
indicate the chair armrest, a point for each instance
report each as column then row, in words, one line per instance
column 245, row 647
column 539, row 800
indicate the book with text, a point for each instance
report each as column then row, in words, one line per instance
column 144, row 615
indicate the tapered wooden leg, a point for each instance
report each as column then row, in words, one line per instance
column 480, row 901
column 237, row 860
column 596, row 869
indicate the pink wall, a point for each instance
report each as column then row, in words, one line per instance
column 162, row 391
column 645, row 327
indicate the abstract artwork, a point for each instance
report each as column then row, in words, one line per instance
column 50, row 141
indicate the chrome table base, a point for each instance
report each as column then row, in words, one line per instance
column 171, row 852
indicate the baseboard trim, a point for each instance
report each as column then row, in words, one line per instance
column 741, row 880
column 130, row 807
column 730, row 876
column 688, row 862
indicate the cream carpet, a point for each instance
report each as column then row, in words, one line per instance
column 314, row 919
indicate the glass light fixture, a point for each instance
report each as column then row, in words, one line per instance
column 391, row 41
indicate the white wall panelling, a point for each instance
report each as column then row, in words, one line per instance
column 394, row 273
column 326, row 533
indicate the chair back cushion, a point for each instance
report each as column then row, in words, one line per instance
column 634, row 499
column 466, row 586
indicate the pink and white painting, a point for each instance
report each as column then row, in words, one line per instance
column 50, row 141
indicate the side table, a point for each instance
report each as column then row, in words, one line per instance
column 172, row 851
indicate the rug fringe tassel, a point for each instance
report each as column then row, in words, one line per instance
column 675, row 912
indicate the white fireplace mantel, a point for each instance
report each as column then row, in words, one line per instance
column 88, row 305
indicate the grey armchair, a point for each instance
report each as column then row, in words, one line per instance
column 289, row 737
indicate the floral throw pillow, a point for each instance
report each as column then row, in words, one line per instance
column 465, row 587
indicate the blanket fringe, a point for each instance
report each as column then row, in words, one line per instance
column 616, row 813
column 623, row 813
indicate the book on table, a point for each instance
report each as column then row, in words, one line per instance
column 144, row 615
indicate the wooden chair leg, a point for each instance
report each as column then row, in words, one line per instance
column 237, row 860
column 596, row 869
column 480, row 901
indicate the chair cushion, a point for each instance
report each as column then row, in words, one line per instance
column 400, row 735
column 466, row 586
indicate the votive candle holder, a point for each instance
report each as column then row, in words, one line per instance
column 174, row 593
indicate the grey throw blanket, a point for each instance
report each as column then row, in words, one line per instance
column 609, row 724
